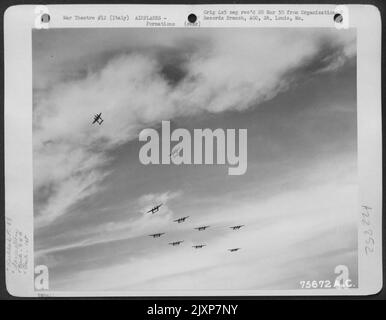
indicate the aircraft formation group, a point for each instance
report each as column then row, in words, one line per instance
column 156, row 208
column 98, row 119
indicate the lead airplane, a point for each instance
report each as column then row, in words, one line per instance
column 237, row 227
column 367, row 207
column 156, row 235
column 97, row 118
column 202, row 228
column 154, row 209
column 179, row 220
column 199, row 246
column 234, row 249
column 176, row 243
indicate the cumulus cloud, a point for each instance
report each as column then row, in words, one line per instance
column 137, row 86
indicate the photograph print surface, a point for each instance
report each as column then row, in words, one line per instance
column 194, row 159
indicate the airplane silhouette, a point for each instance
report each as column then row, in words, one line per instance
column 154, row 209
column 174, row 152
column 202, row 228
column 366, row 207
column 199, row 246
column 179, row 220
column 175, row 243
column 234, row 249
column 237, row 227
column 97, row 118
column 156, row 235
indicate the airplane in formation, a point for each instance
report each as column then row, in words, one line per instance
column 199, row 246
column 154, row 209
column 202, row 228
column 179, row 220
column 367, row 207
column 237, row 227
column 156, row 235
column 174, row 152
column 98, row 119
column 176, row 243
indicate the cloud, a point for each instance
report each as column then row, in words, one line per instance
column 149, row 200
column 264, row 256
column 138, row 225
column 136, row 87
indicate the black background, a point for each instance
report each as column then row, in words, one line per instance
column 136, row 308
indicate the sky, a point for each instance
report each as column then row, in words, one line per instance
column 294, row 90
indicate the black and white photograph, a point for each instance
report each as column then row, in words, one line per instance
column 196, row 160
